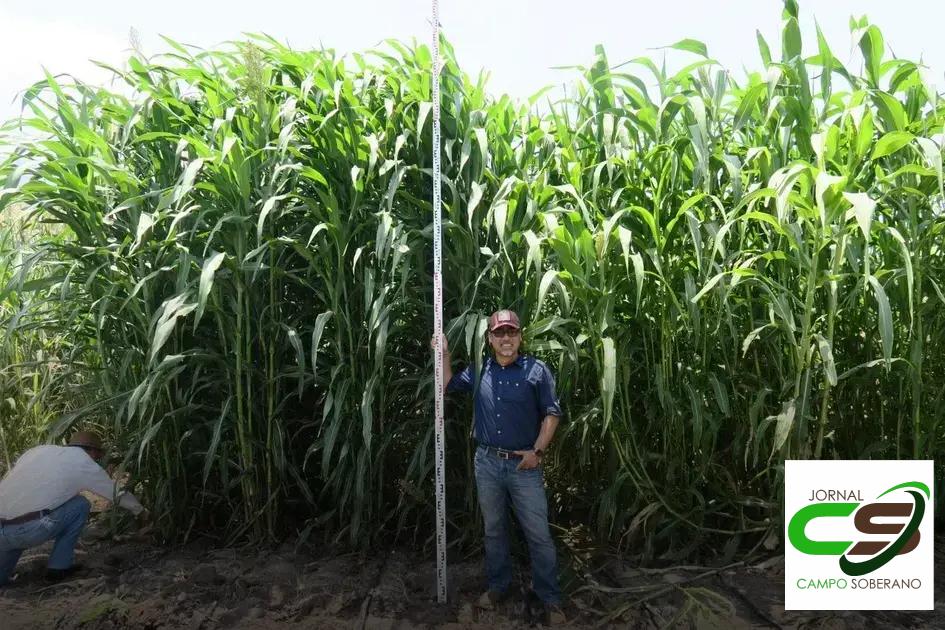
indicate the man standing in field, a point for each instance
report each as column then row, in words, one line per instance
column 516, row 414
column 40, row 501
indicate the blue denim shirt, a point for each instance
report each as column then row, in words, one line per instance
column 511, row 402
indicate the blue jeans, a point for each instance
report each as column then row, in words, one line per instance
column 64, row 524
column 498, row 481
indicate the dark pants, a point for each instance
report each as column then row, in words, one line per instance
column 499, row 483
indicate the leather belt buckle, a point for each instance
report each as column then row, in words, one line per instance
column 501, row 453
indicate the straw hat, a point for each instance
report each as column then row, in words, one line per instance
column 86, row 439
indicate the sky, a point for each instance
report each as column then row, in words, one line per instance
column 519, row 42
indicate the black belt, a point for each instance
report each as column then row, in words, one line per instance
column 25, row 518
column 501, row 453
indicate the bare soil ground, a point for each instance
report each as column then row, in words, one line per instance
column 145, row 587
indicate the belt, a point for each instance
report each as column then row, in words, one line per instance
column 501, row 453
column 25, row 518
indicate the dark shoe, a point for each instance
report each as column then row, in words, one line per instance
column 554, row 615
column 490, row 599
column 57, row 575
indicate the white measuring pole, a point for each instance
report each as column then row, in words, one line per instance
column 438, row 323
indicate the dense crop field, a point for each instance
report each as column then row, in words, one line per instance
column 226, row 264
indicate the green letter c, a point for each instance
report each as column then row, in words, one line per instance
column 798, row 525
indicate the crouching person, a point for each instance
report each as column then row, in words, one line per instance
column 40, row 501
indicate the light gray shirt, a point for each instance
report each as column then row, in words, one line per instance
column 47, row 476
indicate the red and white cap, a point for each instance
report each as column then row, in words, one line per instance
column 504, row 319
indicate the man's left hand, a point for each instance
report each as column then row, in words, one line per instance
column 529, row 460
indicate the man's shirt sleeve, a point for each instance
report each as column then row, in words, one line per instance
column 547, row 398
column 462, row 381
column 93, row 478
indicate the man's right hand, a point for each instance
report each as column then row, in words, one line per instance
column 444, row 348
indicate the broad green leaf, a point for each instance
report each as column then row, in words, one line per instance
column 885, row 319
column 173, row 310
column 721, row 395
column 864, row 135
column 296, row 344
column 790, row 40
column 824, row 183
column 907, row 265
column 500, row 217
column 714, row 280
column 698, row 421
column 747, row 105
column 475, row 196
column 863, row 207
column 890, row 143
column 785, row 422
column 763, row 49
column 424, row 111
column 691, row 45
column 145, row 223
column 483, row 143
column 534, row 251
column 933, row 156
column 210, row 457
column 187, row 180
column 608, row 378
column 873, row 48
column 317, row 330
column 891, row 112
column 750, row 337
column 550, row 276
column 207, row 273
column 826, row 356
column 267, row 207
column 637, row 261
